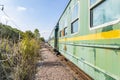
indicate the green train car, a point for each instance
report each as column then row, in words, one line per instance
column 88, row 34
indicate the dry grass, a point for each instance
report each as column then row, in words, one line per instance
column 22, row 59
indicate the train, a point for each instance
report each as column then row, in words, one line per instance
column 88, row 34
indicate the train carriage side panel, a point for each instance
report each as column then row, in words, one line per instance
column 52, row 38
column 91, row 40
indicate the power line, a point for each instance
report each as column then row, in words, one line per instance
column 2, row 9
column 11, row 19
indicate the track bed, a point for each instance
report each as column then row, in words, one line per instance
column 52, row 67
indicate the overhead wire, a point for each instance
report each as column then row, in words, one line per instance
column 11, row 19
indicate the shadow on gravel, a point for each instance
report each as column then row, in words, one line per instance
column 49, row 64
column 43, row 51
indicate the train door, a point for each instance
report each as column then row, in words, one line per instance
column 56, row 38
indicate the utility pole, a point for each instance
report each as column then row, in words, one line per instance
column 19, row 36
column 0, row 54
column 2, row 7
column 2, row 10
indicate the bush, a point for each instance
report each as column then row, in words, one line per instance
column 29, row 50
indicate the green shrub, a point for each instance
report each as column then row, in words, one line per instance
column 29, row 50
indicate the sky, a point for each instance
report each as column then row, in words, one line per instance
column 32, row 14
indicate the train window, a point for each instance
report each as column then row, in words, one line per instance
column 74, row 26
column 65, row 31
column 75, row 12
column 66, row 22
column 104, row 12
column 60, row 33
column 92, row 2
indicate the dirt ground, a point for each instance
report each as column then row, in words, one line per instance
column 51, row 68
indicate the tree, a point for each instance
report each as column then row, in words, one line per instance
column 37, row 34
column 8, row 32
column 29, row 34
column 42, row 39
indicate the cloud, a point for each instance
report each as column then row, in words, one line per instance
column 20, row 8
